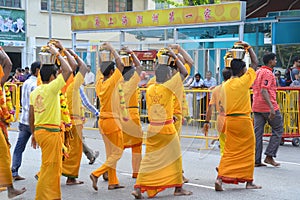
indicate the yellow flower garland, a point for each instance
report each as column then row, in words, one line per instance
column 124, row 112
column 64, row 110
column 8, row 100
column 6, row 113
column 67, row 123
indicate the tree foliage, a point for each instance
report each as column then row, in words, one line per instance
column 188, row 2
column 285, row 53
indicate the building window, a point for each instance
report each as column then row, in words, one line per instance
column 11, row 3
column 65, row 6
column 160, row 6
column 119, row 5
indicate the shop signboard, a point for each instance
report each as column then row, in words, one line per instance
column 12, row 25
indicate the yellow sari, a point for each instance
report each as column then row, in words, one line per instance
column 161, row 167
column 5, row 161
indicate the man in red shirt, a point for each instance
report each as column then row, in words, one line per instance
column 266, row 109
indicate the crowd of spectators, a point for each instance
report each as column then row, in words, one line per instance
column 291, row 76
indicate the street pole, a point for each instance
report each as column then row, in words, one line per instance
column 50, row 19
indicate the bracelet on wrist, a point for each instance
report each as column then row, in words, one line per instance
column 206, row 122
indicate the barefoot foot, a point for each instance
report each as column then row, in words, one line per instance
column 105, row 176
column 185, row 180
column 218, row 185
column 12, row 192
column 179, row 191
column 137, row 194
column 73, row 181
column 115, row 186
column 250, row 185
column 94, row 181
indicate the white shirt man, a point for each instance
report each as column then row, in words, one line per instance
column 89, row 78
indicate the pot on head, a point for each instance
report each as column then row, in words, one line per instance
column 47, row 58
column 163, row 59
column 105, row 56
column 237, row 53
column 125, row 60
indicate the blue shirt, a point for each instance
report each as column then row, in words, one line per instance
column 211, row 82
column 28, row 86
column 85, row 101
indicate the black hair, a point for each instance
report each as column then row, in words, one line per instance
column 268, row 57
column 47, row 70
column 19, row 69
column 197, row 74
column 295, row 59
column 226, row 72
column 106, row 67
column 237, row 65
column 128, row 73
column 27, row 68
column 35, row 65
column 162, row 71
column 173, row 65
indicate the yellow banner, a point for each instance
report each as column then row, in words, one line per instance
column 228, row 12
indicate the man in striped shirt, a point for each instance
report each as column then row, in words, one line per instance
column 29, row 85
column 89, row 153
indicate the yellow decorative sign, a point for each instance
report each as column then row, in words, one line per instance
column 214, row 13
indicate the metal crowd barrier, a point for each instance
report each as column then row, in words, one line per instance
column 198, row 99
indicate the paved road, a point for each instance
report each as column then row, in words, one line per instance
column 199, row 165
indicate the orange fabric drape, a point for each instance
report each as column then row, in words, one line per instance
column 239, row 146
column 114, row 150
column 48, row 186
column 5, row 162
column 161, row 166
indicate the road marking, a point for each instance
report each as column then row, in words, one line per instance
column 291, row 163
column 203, row 186
column 125, row 174
column 191, row 184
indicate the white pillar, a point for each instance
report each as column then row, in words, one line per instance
column 31, row 50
